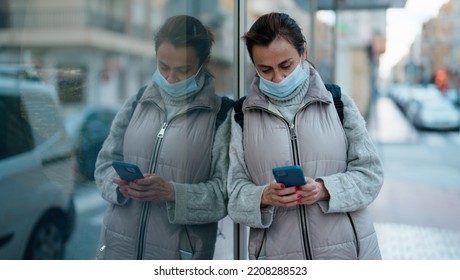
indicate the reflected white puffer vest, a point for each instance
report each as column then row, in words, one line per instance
column 141, row 230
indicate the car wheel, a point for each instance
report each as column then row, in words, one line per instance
column 46, row 241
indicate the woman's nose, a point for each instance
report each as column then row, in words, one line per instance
column 172, row 77
column 277, row 77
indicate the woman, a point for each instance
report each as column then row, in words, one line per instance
column 289, row 119
column 172, row 135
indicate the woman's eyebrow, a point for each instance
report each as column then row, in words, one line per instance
column 267, row 66
column 285, row 61
column 183, row 67
column 162, row 64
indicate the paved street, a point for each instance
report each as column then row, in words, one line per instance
column 416, row 212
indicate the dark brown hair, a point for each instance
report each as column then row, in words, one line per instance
column 270, row 26
column 186, row 31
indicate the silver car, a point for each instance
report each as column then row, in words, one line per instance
column 36, row 172
column 436, row 115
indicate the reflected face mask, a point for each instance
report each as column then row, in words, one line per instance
column 179, row 89
column 286, row 86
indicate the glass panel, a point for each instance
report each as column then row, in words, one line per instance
column 68, row 67
column 75, row 63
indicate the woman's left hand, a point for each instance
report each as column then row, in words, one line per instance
column 312, row 192
column 152, row 188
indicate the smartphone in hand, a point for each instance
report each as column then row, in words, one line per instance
column 290, row 176
column 127, row 171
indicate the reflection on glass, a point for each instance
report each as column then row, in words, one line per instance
column 176, row 130
column 96, row 55
column 36, row 176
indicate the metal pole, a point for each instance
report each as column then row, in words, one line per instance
column 334, row 42
column 240, row 232
column 313, row 10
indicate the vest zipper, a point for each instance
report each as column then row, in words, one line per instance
column 143, row 225
column 302, row 209
column 295, row 150
column 146, row 205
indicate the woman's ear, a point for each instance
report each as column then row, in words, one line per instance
column 305, row 52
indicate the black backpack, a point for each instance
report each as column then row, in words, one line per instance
column 226, row 104
column 332, row 88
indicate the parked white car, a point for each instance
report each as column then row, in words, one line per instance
column 436, row 115
column 428, row 108
column 36, row 172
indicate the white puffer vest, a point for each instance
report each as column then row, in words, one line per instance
column 316, row 141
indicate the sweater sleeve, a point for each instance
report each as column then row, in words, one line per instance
column 358, row 187
column 111, row 150
column 244, row 196
column 205, row 202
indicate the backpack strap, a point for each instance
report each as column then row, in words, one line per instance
column 239, row 116
column 226, row 104
column 336, row 96
column 138, row 96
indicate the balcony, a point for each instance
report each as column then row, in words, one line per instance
column 73, row 27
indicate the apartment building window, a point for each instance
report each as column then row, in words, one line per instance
column 71, row 83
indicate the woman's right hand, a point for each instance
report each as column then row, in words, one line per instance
column 151, row 188
column 122, row 185
column 277, row 194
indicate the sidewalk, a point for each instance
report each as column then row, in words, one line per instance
column 407, row 242
column 424, row 226
column 412, row 221
column 385, row 119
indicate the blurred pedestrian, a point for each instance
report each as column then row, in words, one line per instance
column 441, row 80
column 178, row 134
column 290, row 119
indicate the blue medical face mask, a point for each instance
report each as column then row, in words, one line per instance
column 177, row 89
column 286, row 86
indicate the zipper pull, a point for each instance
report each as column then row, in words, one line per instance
column 292, row 131
column 162, row 131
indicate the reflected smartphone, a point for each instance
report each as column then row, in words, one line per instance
column 290, row 176
column 127, row 171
